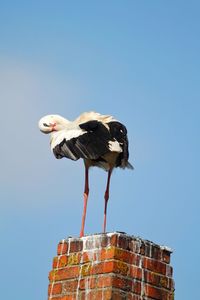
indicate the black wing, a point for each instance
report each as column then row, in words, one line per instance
column 94, row 143
column 90, row 145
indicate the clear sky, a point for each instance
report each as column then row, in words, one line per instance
column 136, row 60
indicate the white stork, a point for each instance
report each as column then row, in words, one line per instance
column 99, row 140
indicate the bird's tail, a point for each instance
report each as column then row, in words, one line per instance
column 126, row 164
column 129, row 166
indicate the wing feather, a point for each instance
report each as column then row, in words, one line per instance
column 91, row 140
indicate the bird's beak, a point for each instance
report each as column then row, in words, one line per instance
column 52, row 126
column 44, row 131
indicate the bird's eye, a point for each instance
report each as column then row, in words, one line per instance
column 45, row 125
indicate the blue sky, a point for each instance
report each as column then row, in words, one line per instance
column 136, row 60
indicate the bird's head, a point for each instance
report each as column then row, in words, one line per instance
column 52, row 123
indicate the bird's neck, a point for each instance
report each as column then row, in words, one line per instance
column 64, row 125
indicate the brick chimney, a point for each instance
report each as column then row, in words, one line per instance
column 111, row 266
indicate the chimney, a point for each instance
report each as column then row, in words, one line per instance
column 111, row 266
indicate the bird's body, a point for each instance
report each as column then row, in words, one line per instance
column 100, row 140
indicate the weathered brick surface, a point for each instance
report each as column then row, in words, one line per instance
column 55, row 289
column 111, row 266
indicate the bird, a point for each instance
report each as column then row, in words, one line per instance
column 100, row 140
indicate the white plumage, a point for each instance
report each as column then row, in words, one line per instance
column 100, row 140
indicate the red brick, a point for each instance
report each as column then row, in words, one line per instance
column 124, row 242
column 134, row 246
column 107, row 267
column 154, row 265
column 90, row 256
column 107, row 294
column 122, row 283
column 155, row 293
column 104, row 281
column 135, row 272
column 171, row 296
column 118, row 295
column 166, row 256
column 62, row 261
column 142, row 248
column 75, row 246
column 55, row 289
column 107, row 253
column 121, row 268
column 85, row 270
column 105, row 241
column 94, row 295
column 62, row 274
column 126, row 256
column 97, row 295
column 130, row 296
column 102, row 267
column 169, row 271
column 158, row 280
column 62, row 248
column 111, row 267
column 55, row 262
column 87, row 283
column 96, row 242
column 70, row 286
column 171, row 284
column 86, row 257
column 114, row 240
column 135, row 259
column 74, row 258
column 136, row 287
column 156, row 252
column 148, row 248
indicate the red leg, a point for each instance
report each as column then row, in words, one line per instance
column 86, row 193
column 106, row 197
